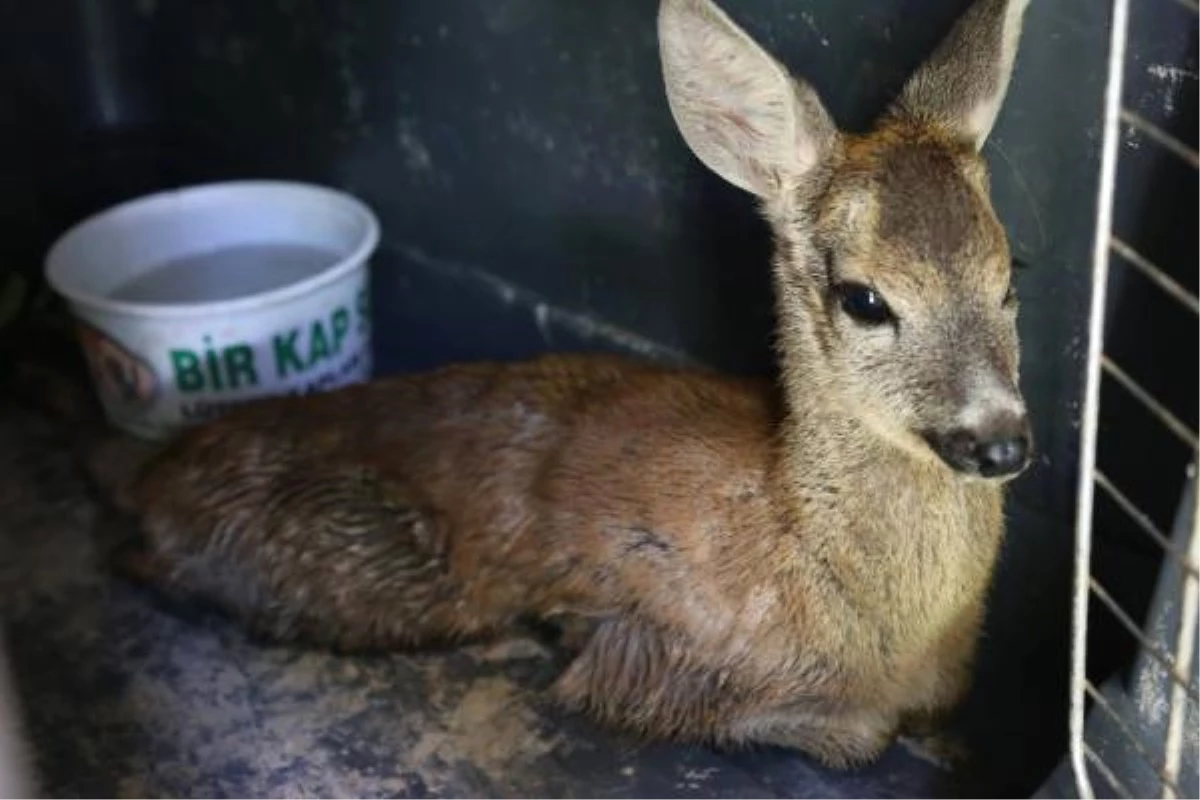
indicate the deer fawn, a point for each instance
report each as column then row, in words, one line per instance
column 803, row 565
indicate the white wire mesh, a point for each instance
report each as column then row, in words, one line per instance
column 1171, row 655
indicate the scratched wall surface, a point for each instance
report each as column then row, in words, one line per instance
column 523, row 160
column 534, row 196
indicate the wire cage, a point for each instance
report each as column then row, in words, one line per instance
column 1134, row 733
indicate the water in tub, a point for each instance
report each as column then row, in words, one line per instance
column 225, row 274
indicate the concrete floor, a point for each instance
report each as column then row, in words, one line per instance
column 124, row 697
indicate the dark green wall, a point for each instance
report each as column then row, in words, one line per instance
column 535, row 195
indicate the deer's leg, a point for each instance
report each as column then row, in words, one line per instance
column 637, row 677
column 838, row 740
column 926, row 732
column 945, row 678
column 329, row 556
column 631, row 675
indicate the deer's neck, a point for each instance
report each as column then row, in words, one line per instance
column 913, row 539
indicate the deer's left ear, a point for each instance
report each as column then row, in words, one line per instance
column 960, row 89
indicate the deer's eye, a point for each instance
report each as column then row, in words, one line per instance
column 864, row 304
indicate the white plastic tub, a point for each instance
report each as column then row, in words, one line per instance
column 191, row 301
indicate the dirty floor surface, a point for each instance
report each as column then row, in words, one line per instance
column 126, row 698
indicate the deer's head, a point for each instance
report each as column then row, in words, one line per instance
column 892, row 271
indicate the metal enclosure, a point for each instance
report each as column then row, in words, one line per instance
column 535, row 195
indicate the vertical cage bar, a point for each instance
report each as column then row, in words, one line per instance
column 1091, row 399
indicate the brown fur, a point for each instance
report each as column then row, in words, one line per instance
column 791, row 566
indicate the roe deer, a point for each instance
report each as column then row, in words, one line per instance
column 803, row 565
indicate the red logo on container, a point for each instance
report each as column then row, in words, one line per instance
column 119, row 374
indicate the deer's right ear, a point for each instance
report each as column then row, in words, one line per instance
column 737, row 108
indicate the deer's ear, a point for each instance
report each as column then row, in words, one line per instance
column 738, row 109
column 960, row 89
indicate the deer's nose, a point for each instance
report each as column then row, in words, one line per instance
column 994, row 450
column 1002, row 456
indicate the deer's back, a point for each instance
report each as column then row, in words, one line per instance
column 580, row 483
